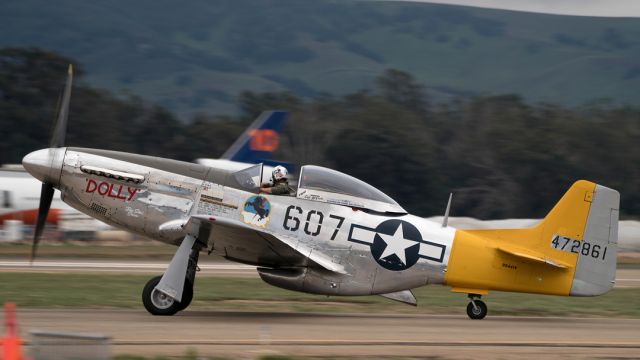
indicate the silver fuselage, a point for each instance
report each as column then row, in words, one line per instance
column 174, row 190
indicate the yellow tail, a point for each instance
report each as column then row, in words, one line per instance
column 572, row 251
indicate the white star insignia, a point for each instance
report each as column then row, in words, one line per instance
column 396, row 245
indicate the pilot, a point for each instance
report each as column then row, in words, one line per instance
column 280, row 184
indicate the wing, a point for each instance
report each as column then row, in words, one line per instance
column 241, row 242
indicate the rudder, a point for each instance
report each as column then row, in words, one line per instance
column 596, row 267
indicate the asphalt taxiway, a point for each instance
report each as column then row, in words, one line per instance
column 249, row 334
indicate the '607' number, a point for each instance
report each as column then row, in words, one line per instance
column 313, row 223
column 579, row 247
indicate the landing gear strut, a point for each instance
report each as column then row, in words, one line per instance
column 159, row 296
column 476, row 309
column 187, row 293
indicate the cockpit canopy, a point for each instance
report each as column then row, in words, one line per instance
column 325, row 185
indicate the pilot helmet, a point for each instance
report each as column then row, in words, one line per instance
column 279, row 172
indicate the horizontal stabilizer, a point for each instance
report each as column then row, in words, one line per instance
column 531, row 256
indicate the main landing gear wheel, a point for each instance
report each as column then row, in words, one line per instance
column 157, row 303
column 477, row 309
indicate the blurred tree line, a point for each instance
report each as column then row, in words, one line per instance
column 500, row 156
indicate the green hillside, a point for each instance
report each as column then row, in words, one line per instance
column 199, row 55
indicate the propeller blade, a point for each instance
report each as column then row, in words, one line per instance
column 57, row 140
column 46, row 196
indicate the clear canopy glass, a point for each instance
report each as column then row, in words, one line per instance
column 247, row 179
column 332, row 181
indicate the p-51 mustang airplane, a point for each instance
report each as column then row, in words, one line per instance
column 337, row 236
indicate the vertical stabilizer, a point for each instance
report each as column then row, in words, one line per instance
column 260, row 140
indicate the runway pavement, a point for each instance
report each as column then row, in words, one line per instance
column 624, row 277
column 249, row 334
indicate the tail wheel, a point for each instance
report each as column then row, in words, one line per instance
column 477, row 312
column 158, row 303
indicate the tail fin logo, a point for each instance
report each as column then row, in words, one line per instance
column 264, row 140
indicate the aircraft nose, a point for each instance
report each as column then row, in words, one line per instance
column 45, row 165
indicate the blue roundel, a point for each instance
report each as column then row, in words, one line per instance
column 396, row 245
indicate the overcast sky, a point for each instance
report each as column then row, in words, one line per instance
column 609, row 8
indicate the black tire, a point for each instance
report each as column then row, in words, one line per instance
column 157, row 303
column 477, row 313
column 187, row 295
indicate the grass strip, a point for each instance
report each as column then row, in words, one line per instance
column 59, row 290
